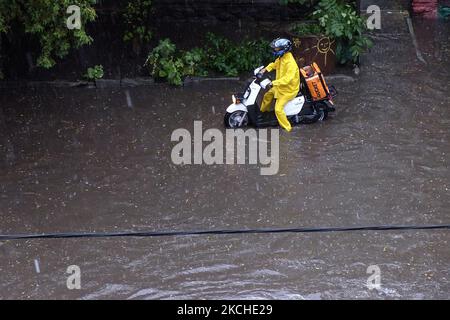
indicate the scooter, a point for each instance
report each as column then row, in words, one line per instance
column 312, row 104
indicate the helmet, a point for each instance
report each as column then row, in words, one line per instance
column 280, row 46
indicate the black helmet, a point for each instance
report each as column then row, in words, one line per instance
column 280, row 46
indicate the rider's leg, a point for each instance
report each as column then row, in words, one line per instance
column 281, row 115
column 267, row 100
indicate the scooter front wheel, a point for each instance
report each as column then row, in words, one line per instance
column 236, row 119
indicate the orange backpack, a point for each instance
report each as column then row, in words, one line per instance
column 315, row 82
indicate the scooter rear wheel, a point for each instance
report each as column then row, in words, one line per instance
column 236, row 119
column 322, row 110
column 323, row 115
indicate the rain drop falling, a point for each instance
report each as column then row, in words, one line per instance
column 36, row 266
column 129, row 102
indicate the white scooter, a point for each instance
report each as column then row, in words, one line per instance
column 245, row 111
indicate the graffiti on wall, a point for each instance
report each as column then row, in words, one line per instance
column 315, row 49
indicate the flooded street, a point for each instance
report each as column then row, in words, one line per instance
column 98, row 160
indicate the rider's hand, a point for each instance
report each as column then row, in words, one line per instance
column 263, row 71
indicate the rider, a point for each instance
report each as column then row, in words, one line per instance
column 287, row 83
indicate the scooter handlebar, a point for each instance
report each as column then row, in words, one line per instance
column 266, row 84
column 259, row 75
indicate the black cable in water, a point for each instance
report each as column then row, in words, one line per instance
column 214, row 232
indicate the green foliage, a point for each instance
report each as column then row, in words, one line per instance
column 342, row 22
column 162, row 62
column 306, row 29
column 219, row 55
column 46, row 21
column 3, row 23
column 94, row 73
column 232, row 59
column 195, row 62
column 136, row 19
column 166, row 62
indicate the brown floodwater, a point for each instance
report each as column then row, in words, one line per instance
column 91, row 160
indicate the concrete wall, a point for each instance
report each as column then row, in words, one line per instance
column 226, row 10
column 386, row 4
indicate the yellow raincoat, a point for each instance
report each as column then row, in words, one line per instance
column 285, row 87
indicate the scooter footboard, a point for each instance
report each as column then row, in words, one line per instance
column 253, row 114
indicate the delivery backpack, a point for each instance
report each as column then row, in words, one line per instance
column 313, row 84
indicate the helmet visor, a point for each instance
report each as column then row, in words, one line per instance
column 277, row 52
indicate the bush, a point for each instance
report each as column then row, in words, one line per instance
column 94, row 73
column 195, row 62
column 162, row 63
column 219, row 55
column 342, row 22
column 166, row 62
column 306, row 29
column 230, row 59
column 46, row 22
